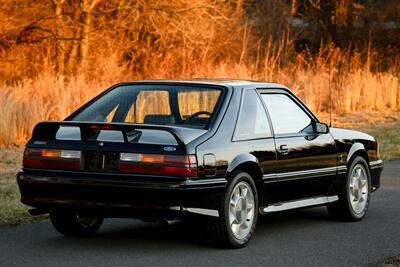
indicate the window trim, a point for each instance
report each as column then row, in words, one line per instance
column 297, row 101
column 240, row 111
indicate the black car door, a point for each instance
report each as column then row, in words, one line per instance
column 306, row 160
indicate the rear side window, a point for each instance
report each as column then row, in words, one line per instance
column 286, row 116
column 253, row 122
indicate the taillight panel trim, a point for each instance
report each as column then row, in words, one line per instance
column 159, row 164
column 44, row 158
column 52, row 153
column 158, row 158
column 135, row 163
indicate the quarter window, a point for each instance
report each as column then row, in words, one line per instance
column 286, row 116
column 253, row 122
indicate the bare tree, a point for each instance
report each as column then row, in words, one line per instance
column 60, row 48
column 85, row 20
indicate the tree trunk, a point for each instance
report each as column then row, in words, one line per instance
column 85, row 29
column 293, row 8
column 60, row 48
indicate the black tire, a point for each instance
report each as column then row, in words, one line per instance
column 342, row 209
column 219, row 229
column 71, row 224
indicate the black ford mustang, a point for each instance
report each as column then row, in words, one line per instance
column 229, row 150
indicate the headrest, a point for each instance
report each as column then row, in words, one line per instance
column 159, row 119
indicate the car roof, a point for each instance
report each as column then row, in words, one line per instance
column 217, row 82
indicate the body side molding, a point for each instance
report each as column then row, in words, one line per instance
column 207, row 212
column 376, row 164
column 301, row 203
column 303, row 174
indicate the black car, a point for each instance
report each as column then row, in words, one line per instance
column 227, row 150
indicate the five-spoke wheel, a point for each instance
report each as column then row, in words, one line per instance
column 238, row 212
column 354, row 192
column 241, row 210
column 358, row 188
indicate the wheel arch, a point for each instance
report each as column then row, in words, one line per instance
column 249, row 164
column 357, row 149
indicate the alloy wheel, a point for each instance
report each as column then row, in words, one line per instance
column 241, row 210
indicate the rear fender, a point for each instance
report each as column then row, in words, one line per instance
column 241, row 159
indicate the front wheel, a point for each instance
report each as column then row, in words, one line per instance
column 238, row 212
column 72, row 224
column 354, row 196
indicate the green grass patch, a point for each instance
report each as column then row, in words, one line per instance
column 12, row 211
column 392, row 262
column 388, row 136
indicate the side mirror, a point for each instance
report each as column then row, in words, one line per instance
column 320, row 128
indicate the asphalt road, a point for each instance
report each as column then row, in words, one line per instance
column 295, row 238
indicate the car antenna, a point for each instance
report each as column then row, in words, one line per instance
column 330, row 97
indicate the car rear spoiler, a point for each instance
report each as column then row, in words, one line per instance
column 48, row 129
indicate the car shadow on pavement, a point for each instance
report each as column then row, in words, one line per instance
column 134, row 235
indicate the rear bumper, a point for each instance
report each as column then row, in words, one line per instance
column 116, row 195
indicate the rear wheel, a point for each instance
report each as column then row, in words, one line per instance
column 354, row 195
column 238, row 212
column 72, row 224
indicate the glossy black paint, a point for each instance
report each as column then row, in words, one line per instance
column 284, row 167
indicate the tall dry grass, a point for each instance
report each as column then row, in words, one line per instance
column 354, row 86
column 53, row 58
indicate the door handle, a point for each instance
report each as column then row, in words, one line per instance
column 283, row 149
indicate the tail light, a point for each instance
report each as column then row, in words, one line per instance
column 52, row 159
column 175, row 165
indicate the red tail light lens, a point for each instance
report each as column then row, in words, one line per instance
column 52, row 159
column 175, row 165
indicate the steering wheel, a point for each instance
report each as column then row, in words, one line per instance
column 196, row 116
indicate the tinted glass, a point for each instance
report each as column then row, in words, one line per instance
column 154, row 104
column 286, row 115
column 141, row 136
column 253, row 121
column 149, row 103
column 191, row 103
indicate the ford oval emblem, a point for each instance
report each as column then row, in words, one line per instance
column 169, row 148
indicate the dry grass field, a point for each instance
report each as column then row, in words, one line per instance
column 56, row 55
column 392, row 262
column 338, row 55
column 47, row 97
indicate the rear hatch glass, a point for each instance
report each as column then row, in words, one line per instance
column 140, row 136
column 175, row 105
